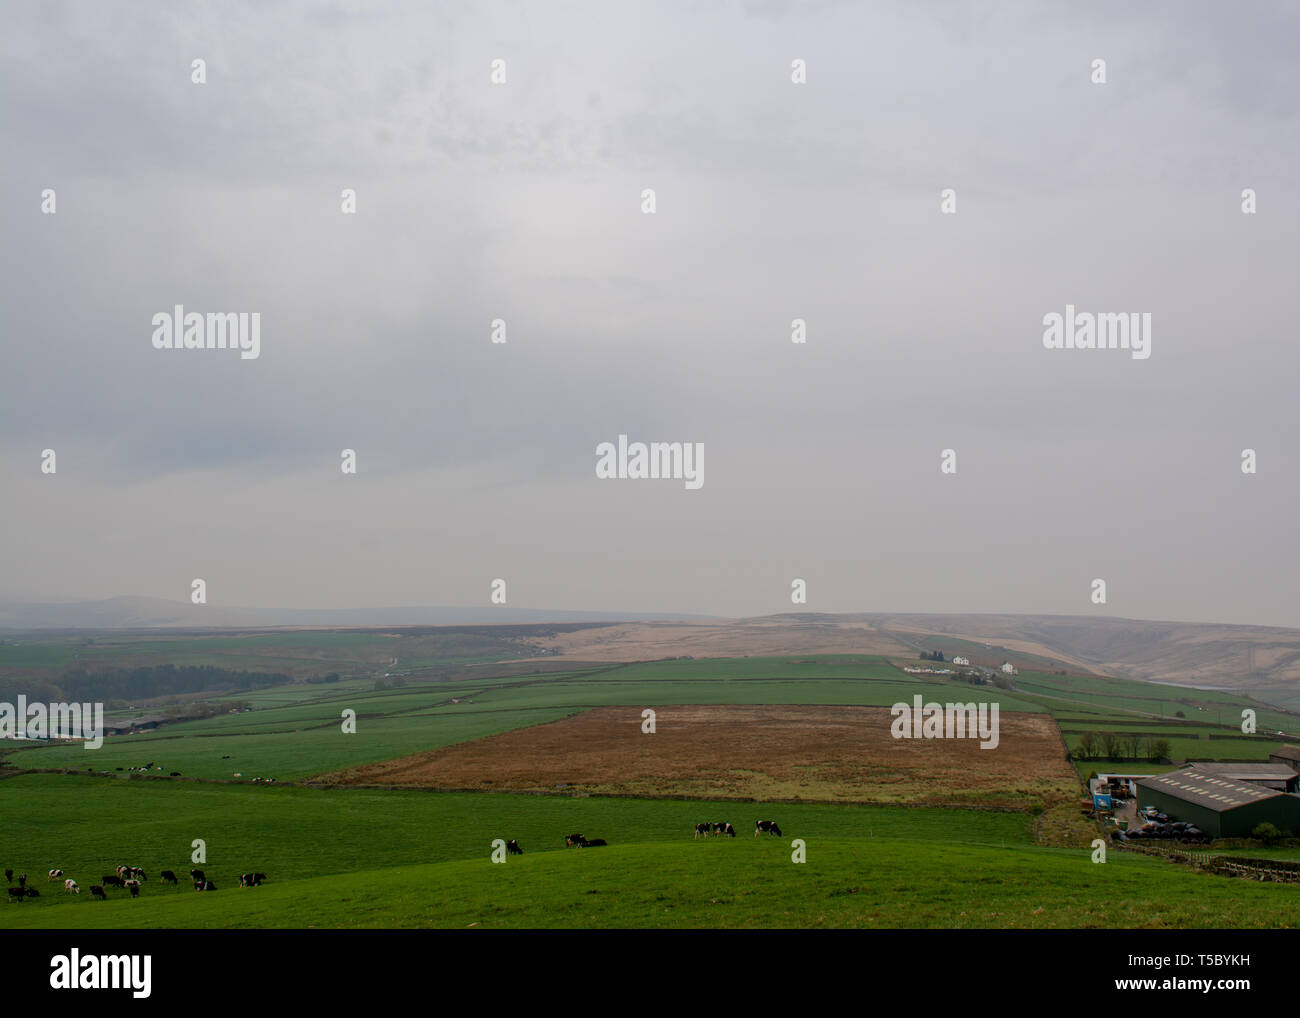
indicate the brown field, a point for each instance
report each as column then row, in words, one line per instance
column 781, row 753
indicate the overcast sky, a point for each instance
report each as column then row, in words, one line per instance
column 775, row 200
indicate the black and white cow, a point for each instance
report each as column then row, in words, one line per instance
column 574, row 839
column 168, row 877
column 251, row 879
column 594, row 843
column 22, row 879
column 767, row 827
column 98, row 892
column 726, row 830
column 207, row 885
column 512, row 847
column 56, row 874
column 16, row 894
column 702, row 830
column 70, row 887
column 9, row 876
column 110, row 881
column 197, row 876
column 133, row 886
column 32, row 892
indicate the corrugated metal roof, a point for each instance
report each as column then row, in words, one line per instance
column 1287, row 752
column 1204, row 788
column 1249, row 771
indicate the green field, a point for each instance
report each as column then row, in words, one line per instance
column 355, row 857
column 358, row 858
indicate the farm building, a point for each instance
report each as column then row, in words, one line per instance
column 1009, row 668
column 1221, row 807
column 1288, row 756
column 961, row 660
column 1270, row 775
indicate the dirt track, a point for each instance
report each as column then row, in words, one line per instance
column 758, row 752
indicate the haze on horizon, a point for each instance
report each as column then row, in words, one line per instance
column 774, row 201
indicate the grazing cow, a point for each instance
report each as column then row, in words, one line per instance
column 98, row 892
column 55, row 874
column 70, row 887
column 174, row 774
column 727, row 831
column 205, row 885
column 124, row 871
column 110, row 881
column 197, row 876
column 9, row 876
column 702, row 830
column 168, row 877
column 16, row 894
column 134, row 887
column 138, row 873
column 251, row 879
column 512, row 847
column 22, row 879
column 32, row 892
column 594, row 843
column 574, row 839
column 766, row 826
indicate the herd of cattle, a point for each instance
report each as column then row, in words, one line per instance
column 128, row 878
column 718, row 827
column 722, row 829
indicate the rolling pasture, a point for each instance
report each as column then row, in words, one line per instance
column 356, row 856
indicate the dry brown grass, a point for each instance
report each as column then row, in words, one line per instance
column 809, row 753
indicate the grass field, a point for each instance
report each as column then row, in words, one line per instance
column 355, row 856
column 866, row 866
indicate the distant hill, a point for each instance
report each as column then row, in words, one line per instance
column 1261, row 659
column 156, row 613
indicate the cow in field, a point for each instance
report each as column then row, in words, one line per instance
column 16, row 894
column 22, row 879
column 703, row 830
column 251, row 879
column 197, row 876
column 70, row 887
column 168, row 877
column 574, row 839
column 123, row 870
column 594, row 843
column 9, row 876
column 32, row 892
column 98, row 892
column 726, row 830
column 767, row 827
column 512, row 847
column 110, row 881
column 138, row 873
column 56, row 874
column 174, row 774
column 133, row 886
column 205, row 885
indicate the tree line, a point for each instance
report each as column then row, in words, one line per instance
column 1122, row 746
